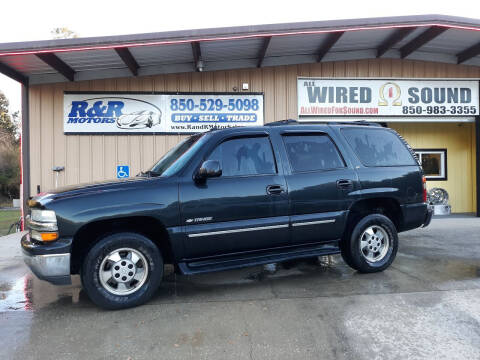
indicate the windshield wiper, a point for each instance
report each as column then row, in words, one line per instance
column 148, row 173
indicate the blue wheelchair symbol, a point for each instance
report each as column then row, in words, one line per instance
column 123, row 171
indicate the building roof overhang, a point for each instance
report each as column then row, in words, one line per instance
column 437, row 38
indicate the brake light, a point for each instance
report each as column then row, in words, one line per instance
column 424, row 180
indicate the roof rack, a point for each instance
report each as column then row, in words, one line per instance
column 295, row 122
column 282, row 122
column 359, row 122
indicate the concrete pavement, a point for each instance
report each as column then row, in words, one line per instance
column 424, row 306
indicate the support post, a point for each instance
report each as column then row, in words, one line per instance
column 25, row 155
column 477, row 149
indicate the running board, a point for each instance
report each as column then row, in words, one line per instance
column 272, row 256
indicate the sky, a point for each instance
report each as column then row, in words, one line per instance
column 34, row 20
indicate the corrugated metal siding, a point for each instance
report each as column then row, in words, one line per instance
column 92, row 60
column 452, row 41
column 147, row 56
column 94, row 157
column 226, row 50
column 27, row 64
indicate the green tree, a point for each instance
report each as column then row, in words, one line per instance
column 10, row 172
column 9, row 152
column 8, row 123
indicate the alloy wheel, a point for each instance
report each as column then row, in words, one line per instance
column 123, row 271
column 374, row 243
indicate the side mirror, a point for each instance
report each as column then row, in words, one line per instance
column 209, row 169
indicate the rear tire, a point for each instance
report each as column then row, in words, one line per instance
column 372, row 244
column 122, row 270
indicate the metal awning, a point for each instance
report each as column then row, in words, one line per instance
column 426, row 37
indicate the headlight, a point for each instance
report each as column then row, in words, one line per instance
column 46, row 216
column 43, row 225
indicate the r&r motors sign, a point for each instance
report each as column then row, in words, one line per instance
column 387, row 97
column 159, row 113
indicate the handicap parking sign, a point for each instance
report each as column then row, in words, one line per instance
column 123, row 171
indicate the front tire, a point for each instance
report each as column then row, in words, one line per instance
column 122, row 270
column 372, row 244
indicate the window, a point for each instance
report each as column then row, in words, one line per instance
column 434, row 163
column 178, row 156
column 378, row 147
column 245, row 156
column 312, row 152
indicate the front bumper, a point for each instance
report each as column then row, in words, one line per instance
column 49, row 262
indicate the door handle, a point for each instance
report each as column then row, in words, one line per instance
column 344, row 184
column 275, row 189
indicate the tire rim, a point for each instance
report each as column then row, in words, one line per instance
column 123, row 271
column 374, row 243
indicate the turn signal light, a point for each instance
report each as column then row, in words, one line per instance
column 49, row 236
column 43, row 236
column 424, row 179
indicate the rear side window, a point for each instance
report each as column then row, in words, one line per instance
column 378, row 147
column 312, row 152
column 245, row 156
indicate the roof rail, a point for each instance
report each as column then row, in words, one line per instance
column 282, row 122
column 295, row 122
column 359, row 122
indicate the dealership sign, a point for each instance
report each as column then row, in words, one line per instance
column 159, row 113
column 387, row 97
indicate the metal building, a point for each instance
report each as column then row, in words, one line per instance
column 423, row 72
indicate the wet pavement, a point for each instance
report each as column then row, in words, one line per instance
column 425, row 306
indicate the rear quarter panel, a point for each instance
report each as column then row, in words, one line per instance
column 402, row 183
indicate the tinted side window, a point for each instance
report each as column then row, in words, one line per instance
column 312, row 152
column 378, row 147
column 245, row 156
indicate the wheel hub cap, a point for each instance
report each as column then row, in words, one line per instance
column 123, row 271
column 374, row 243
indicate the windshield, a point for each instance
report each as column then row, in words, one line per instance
column 174, row 160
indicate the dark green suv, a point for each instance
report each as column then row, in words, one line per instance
column 232, row 198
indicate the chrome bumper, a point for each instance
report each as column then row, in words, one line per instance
column 54, row 268
column 49, row 262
